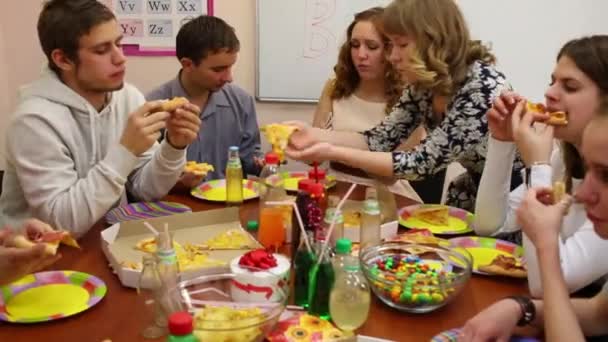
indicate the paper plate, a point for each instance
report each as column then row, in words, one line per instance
column 144, row 210
column 484, row 249
column 452, row 336
column 47, row 296
column 215, row 190
column 459, row 222
column 291, row 179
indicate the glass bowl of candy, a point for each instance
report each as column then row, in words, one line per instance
column 415, row 278
column 227, row 307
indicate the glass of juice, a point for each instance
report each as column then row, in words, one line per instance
column 271, row 233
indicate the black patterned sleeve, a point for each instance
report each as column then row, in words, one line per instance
column 461, row 136
column 398, row 125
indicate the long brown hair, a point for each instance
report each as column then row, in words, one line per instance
column 444, row 50
column 347, row 77
column 590, row 54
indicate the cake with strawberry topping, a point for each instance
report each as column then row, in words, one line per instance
column 260, row 276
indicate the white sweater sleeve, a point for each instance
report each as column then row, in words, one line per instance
column 51, row 185
column 583, row 257
column 493, row 203
column 495, row 206
column 158, row 170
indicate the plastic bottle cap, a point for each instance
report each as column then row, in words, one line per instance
column 304, row 184
column 371, row 207
column 329, row 216
column 319, row 175
column 316, row 189
column 180, row 323
column 343, row 246
column 233, row 148
column 252, row 225
column 271, row 158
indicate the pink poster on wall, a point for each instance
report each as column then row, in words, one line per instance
column 150, row 26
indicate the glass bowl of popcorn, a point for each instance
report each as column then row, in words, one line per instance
column 222, row 313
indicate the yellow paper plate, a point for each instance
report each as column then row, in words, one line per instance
column 484, row 250
column 291, row 179
column 47, row 296
column 215, row 190
column 459, row 221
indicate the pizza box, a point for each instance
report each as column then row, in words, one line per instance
column 118, row 241
column 388, row 228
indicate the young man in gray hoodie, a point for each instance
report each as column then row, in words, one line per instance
column 81, row 136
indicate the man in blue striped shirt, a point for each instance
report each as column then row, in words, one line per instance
column 207, row 48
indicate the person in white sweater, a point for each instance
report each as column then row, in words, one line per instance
column 80, row 136
column 562, row 318
column 579, row 80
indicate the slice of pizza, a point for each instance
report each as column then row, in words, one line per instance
column 558, row 118
column 438, row 215
column 352, row 218
column 173, row 104
column 231, row 239
column 278, row 136
column 505, row 266
column 51, row 240
column 148, row 245
column 559, row 191
column 199, row 169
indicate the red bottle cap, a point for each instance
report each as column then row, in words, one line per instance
column 316, row 190
column 319, row 175
column 180, row 323
column 272, row 158
column 304, row 184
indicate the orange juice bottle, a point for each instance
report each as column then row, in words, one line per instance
column 275, row 221
column 271, row 233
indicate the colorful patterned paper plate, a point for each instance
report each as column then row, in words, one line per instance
column 452, row 336
column 47, row 296
column 460, row 221
column 215, row 190
column 291, row 179
column 144, row 210
column 484, row 249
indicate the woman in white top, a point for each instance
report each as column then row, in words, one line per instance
column 578, row 82
column 560, row 318
column 363, row 92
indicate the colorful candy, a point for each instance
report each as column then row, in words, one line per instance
column 409, row 280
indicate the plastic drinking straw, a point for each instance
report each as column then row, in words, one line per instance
column 333, row 223
column 300, row 222
column 315, row 166
column 151, row 228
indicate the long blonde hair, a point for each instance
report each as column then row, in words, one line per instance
column 444, row 50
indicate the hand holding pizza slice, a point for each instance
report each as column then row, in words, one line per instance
column 278, row 137
column 38, row 232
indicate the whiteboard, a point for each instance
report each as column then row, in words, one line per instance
column 298, row 43
column 298, row 40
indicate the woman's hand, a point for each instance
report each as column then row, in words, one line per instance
column 495, row 323
column 534, row 140
column 18, row 262
column 540, row 219
column 304, row 136
column 499, row 116
column 318, row 152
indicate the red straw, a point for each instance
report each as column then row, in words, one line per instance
column 315, row 166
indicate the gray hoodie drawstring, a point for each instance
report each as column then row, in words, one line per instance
column 93, row 126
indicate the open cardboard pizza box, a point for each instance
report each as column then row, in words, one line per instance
column 388, row 227
column 118, row 241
